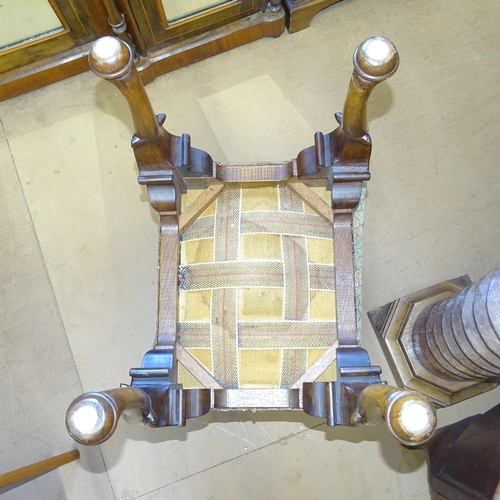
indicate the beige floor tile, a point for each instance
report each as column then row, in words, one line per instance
column 168, row 455
column 244, row 116
column 37, row 371
column 87, row 217
column 431, row 214
column 344, row 463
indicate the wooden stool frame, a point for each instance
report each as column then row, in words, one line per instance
column 169, row 166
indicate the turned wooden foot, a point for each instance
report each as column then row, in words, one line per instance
column 409, row 416
column 92, row 418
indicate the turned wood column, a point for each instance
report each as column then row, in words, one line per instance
column 459, row 337
column 444, row 341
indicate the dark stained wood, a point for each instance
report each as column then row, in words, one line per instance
column 176, row 55
column 92, row 418
column 50, row 70
column 35, row 50
column 343, row 156
column 318, row 399
column 198, row 402
column 173, row 406
column 188, row 41
column 98, row 17
column 117, row 22
column 60, row 14
column 301, row 12
column 132, row 27
column 378, row 317
column 159, row 154
column 348, row 148
column 156, row 32
column 76, row 30
column 52, row 58
column 332, row 401
column 58, row 57
column 114, row 14
column 33, row 470
column 337, row 401
column 346, row 179
column 464, row 458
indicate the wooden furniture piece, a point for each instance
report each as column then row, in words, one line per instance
column 160, row 42
column 166, row 45
column 301, row 12
column 444, row 341
column 46, row 57
column 35, row 470
column 233, row 287
column 464, row 458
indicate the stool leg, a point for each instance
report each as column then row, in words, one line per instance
column 92, row 418
column 409, row 416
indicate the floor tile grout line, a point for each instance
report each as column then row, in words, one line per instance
column 284, row 438
column 50, row 281
column 41, row 253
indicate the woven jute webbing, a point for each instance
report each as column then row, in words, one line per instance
column 256, row 288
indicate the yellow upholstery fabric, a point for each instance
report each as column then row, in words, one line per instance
column 256, row 288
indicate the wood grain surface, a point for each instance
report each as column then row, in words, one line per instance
column 226, row 399
column 167, row 278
